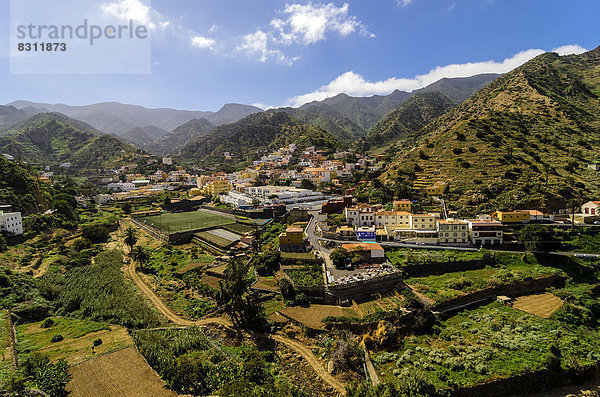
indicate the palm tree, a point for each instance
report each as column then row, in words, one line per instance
column 140, row 255
column 130, row 237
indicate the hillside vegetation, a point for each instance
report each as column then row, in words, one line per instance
column 255, row 134
column 20, row 188
column 523, row 141
column 406, row 120
column 181, row 135
column 51, row 138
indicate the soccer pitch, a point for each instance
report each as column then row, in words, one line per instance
column 187, row 221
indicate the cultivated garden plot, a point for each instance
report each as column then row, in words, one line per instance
column 543, row 305
column 72, row 339
column 491, row 342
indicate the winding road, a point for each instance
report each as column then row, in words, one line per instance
column 296, row 346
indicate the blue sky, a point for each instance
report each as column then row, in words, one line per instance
column 207, row 53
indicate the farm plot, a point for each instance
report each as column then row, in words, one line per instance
column 188, row 221
column 122, row 373
column 78, row 337
column 311, row 316
column 542, row 305
column 239, row 228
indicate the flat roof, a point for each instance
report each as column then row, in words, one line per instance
column 366, row 246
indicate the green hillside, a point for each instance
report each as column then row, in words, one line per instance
column 523, row 141
column 255, row 134
column 181, row 135
column 406, row 120
column 328, row 119
column 51, row 138
column 20, row 187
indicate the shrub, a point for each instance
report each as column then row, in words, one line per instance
column 49, row 322
column 95, row 234
column 97, row 342
column 56, row 338
column 457, row 150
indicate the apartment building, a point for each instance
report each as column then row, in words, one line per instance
column 11, row 222
column 453, row 232
column 485, row 232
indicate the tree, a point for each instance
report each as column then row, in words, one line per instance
column 267, row 263
column 234, row 296
column 140, row 255
column 307, row 184
column 531, row 237
column 339, row 257
column 96, row 234
column 131, row 237
column 126, row 208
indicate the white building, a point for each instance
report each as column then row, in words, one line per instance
column 167, row 161
column 121, row 186
column 283, row 194
column 485, row 231
column 8, row 156
column 103, row 198
column 236, row 199
column 11, row 222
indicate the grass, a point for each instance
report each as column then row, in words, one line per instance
column 493, row 341
column 511, row 268
column 306, row 276
column 78, row 338
column 403, row 256
column 187, row 221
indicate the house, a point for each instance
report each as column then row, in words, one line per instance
column 336, row 205
column 512, row 216
column 11, row 222
column 373, row 251
column 167, row 161
column 594, row 166
column 453, row 232
column 591, row 208
column 485, row 231
column 8, row 156
column 292, row 240
column 121, row 186
column 318, row 174
column 299, row 214
column 437, row 189
column 403, row 205
column 392, row 218
column 539, row 216
column 217, row 187
column 65, row 165
column 102, row 198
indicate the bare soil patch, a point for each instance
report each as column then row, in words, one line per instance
column 542, row 305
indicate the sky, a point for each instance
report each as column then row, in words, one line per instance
column 271, row 53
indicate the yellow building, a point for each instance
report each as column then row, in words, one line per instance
column 217, row 187
column 195, row 192
column 513, row 216
column 437, row 189
column 403, row 205
column 292, row 240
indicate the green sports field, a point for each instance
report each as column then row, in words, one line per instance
column 187, row 221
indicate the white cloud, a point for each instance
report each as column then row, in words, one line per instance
column 403, row 3
column 128, row 9
column 203, row 42
column 257, row 44
column 310, row 23
column 303, row 25
column 355, row 84
column 263, row 106
column 138, row 11
column 569, row 49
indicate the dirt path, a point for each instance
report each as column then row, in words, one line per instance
column 176, row 319
column 314, row 363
